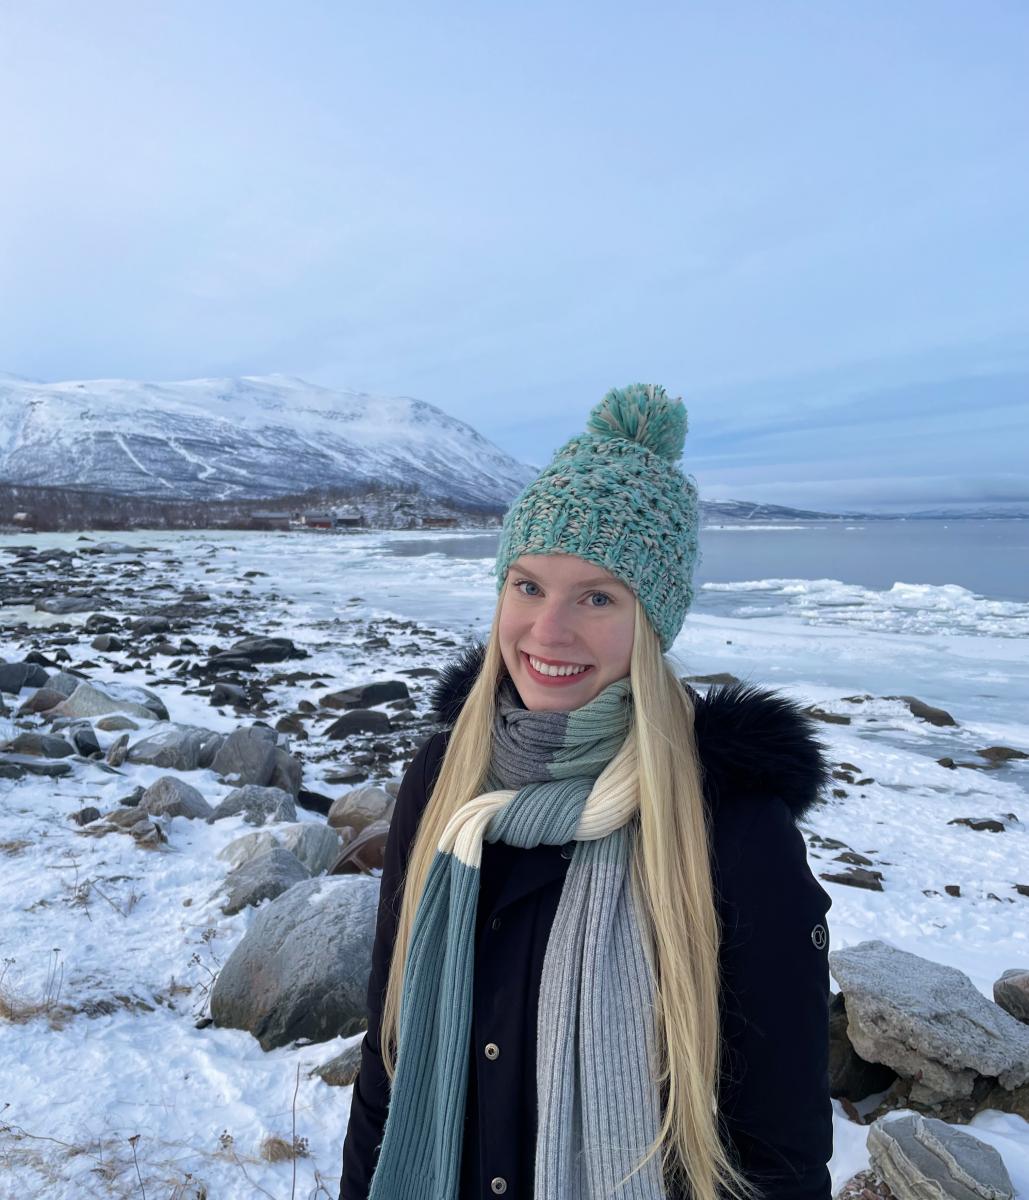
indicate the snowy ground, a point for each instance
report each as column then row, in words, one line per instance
column 102, row 924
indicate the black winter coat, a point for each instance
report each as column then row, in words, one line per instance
column 763, row 768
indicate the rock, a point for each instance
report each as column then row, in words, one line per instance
column 107, row 642
column 1011, row 992
column 247, row 756
column 856, row 877
column 925, row 712
column 262, row 878
column 314, row 801
column 113, row 723
column 101, row 623
column 361, row 806
column 42, row 701
column 721, row 677
column 144, row 626
column 359, row 720
column 342, row 1070
column 364, row 853
column 64, row 682
column 1001, row 753
column 850, row 1077
column 301, row 970
column 259, row 805
column 368, row 694
column 927, row 1021
column 171, row 797
column 177, row 747
column 261, row 649
column 43, row 745
column 84, row 739
column 286, row 772
column 86, row 816
column 249, row 845
column 980, row 824
column 65, row 604
column 118, row 751
column 15, row 676
column 14, row 766
column 229, row 693
column 316, row 845
column 292, row 724
column 920, row 1158
column 89, row 701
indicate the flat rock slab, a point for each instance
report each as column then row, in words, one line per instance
column 177, row 747
column 921, row 1158
column 928, row 1022
column 14, row 766
column 90, row 701
column 41, row 745
column 301, row 970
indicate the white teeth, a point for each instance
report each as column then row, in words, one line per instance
column 546, row 669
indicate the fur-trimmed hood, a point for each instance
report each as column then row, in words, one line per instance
column 747, row 737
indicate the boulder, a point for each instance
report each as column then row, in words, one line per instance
column 361, row 806
column 365, row 853
column 114, row 723
column 359, row 720
column 18, row 675
column 90, row 701
column 42, row 701
column 366, row 695
column 928, row 1022
column 1011, row 992
column 14, row 766
column 170, row 797
column 59, row 605
column 301, row 969
column 249, row 845
column 262, row 878
column 101, row 623
column 108, row 643
column 144, row 626
column 259, row 805
column 63, row 682
column 919, row 1158
column 84, row 739
column 342, row 1070
column 314, row 844
column 925, row 712
column 43, row 745
column 247, row 756
column 850, row 1076
column 177, row 747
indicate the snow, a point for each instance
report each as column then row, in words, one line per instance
column 85, row 919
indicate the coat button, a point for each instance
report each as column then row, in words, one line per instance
column 499, row 1185
column 492, row 1051
column 568, row 849
column 495, row 923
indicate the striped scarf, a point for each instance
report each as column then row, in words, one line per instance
column 557, row 776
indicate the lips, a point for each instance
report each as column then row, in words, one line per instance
column 553, row 680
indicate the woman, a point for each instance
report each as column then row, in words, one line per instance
column 600, row 966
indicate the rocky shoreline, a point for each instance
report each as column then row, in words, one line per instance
column 110, row 657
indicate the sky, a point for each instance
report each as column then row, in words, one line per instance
column 807, row 219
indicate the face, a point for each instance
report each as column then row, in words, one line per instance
column 559, row 613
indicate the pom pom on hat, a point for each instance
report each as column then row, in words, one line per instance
column 643, row 413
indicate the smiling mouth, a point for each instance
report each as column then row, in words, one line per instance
column 554, row 671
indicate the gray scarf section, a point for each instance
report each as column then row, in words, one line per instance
column 599, row 1107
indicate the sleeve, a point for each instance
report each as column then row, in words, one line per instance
column 774, row 1104
column 370, row 1100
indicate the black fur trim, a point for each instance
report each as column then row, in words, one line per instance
column 748, row 738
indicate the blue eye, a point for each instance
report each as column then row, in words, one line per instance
column 527, row 582
column 604, row 595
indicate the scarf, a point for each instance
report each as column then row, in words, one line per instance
column 557, row 776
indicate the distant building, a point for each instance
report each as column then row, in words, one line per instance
column 263, row 519
column 439, row 522
column 25, row 520
column 347, row 518
column 318, row 520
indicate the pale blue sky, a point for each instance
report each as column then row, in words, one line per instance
column 809, row 219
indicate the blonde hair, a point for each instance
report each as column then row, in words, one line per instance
column 671, row 880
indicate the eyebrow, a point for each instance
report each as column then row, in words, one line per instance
column 596, row 579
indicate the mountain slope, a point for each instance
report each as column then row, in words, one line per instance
column 234, row 438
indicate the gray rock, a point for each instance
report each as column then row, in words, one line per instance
column 60, row 605
column 301, row 970
column 359, row 720
column 177, row 747
column 250, row 845
column 43, row 700
column 86, row 816
column 118, row 751
column 15, row 676
column 43, row 745
column 262, row 878
column 107, row 642
column 229, row 693
column 259, row 805
column 63, row 682
column 1011, row 992
column 14, row 766
column 89, row 701
column 266, row 649
column 314, row 844
column 247, row 756
column 342, row 1070
column 921, row 1158
column 286, row 773
column 925, row 712
column 928, row 1022
column 171, row 797
column 361, row 806
column 101, row 623
column 368, row 694
column 84, row 739
column 147, row 625
column 113, row 723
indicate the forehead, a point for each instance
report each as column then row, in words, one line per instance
column 564, row 569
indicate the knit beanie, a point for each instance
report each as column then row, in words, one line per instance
column 615, row 496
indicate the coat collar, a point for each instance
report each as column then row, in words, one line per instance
column 749, row 739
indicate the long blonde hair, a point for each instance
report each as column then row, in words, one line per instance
column 671, row 878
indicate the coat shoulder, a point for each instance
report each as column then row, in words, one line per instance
column 752, row 741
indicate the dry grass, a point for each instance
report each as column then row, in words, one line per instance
column 19, row 1009
column 276, row 1149
column 13, row 848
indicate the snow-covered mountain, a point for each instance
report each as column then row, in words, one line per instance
column 254, row 436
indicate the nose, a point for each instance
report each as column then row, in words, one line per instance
column 553, row 625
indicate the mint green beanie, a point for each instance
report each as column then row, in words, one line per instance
column 616, row 497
